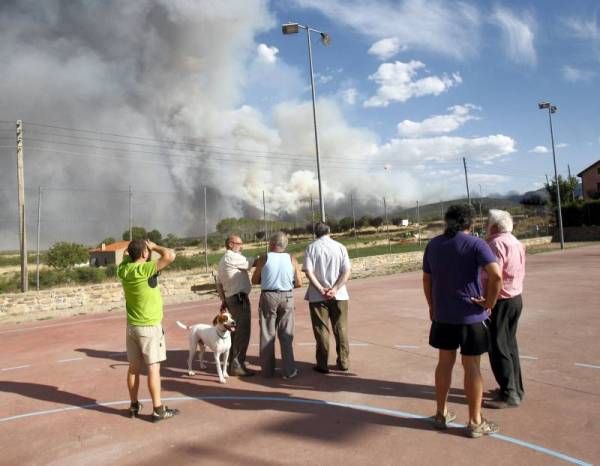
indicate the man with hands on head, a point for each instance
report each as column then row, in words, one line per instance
column 145, row 338
column 458, row 310
column 327, row 267
column 233, row 286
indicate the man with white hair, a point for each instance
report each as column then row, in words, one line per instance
column 504, row 352
column 277, row 273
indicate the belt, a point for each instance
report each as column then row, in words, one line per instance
column 276, row 291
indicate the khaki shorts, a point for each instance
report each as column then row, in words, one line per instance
column 145, row 344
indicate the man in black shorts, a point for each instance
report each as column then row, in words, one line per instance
column 458, row 311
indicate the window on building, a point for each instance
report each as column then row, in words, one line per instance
column 598, row 170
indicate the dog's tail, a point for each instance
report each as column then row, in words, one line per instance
column 182, row 325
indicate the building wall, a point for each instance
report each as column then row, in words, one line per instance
column 590, row 180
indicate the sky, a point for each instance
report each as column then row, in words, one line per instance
column 169, row 96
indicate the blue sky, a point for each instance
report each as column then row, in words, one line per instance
column 489, row 63
column 405, row 90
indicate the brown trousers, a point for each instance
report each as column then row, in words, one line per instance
column 320, row 314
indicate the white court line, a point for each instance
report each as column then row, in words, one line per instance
column 121, row 315
column 14, row 368
column 69, row 360
column 406, row 346
column 591, row 366
column 308, row 343
column 534, row 358
column 359, row 344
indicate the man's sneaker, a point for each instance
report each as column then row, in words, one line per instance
column 484, row 428
column 293, row 375
column 441, row 422
column 163, row 412
column 241, row 371
column 134, row 409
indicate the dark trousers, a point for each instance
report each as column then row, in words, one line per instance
column 239, row 308
column 320, row 315
column 504, row 353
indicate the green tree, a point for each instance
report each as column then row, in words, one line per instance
column 567, row 188
column 364, row 221
column 155, row 236
column 63, row 255
column 346, row 223
column 137, row 233
column 108, row 240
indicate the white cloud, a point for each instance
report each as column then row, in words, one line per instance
column 562, row 145
column 448, row 28
column 349, row 95
column 539, row 150
column 397, row 83
column 587, row 29
column 572, row 74
column 438, row 124
column 386, row 48
column 324, row 78
column 518, row 31
column 448, row 148
column 487, row 179
column 267, row 54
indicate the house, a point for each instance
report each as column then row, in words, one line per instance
column 108, row 254
column 590, row 181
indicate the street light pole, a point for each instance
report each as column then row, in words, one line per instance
column 293, row 28
column 552, row 109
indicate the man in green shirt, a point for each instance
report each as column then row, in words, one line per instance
column 145, row 337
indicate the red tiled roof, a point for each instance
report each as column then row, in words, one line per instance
column 118, row 246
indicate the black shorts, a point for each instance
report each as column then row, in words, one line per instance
column 473, row 339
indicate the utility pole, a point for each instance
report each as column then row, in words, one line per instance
column 387, row 228
column 205, row 233
column 467, row 180
column 130, row 214
column 39, row 223
column 418, row 223
column 265, row 220
column 480, row 210
column 21, row 202
column 353, row 221
column 312, row 212
column 569, row 170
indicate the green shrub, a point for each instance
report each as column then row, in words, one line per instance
column 62, row 255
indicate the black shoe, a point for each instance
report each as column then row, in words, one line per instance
column 321, row 370
column 163, row 412
column 241, row 372
column 134, row 409
column 509, row 402
column 342, row 368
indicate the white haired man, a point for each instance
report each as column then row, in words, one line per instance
column 278, row 273
column 504, row 352
column 233, row 286
column 327, row 267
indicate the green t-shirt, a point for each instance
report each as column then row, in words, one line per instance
column 142, row 300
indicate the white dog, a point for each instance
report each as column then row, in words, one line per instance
column 217, row 337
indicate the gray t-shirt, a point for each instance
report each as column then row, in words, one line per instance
column 327, row 259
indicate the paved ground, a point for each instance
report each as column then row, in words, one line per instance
column 63, row 395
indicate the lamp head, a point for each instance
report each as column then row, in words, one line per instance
column 290, row 28
column 543, row 105
column 553, row 109
column 325, row 38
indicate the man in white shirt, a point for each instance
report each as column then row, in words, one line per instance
column 233, row 285
column 327, row 267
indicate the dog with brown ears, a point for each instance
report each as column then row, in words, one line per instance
column 217, row 337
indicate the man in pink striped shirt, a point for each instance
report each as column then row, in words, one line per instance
column 504, row 352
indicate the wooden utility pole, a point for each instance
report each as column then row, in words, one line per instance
column 467, row 180
column 130, row 214
column 265, row 220
column 205, row 233
column 39, row 224
column 573, row 192
column 21, row 201
column 387, row 227
column 353, row 221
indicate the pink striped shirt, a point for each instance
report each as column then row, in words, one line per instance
column 511, row 259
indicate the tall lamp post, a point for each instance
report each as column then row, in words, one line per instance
column 294, row 28
column 553, row 109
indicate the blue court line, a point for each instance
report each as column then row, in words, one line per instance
column 358, row 407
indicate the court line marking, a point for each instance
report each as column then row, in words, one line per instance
column 121, row 315
column 406, row 346
column 16, row 367
column 357, row 407
column 69, row 360
column 533, row 358
column 591, row 366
